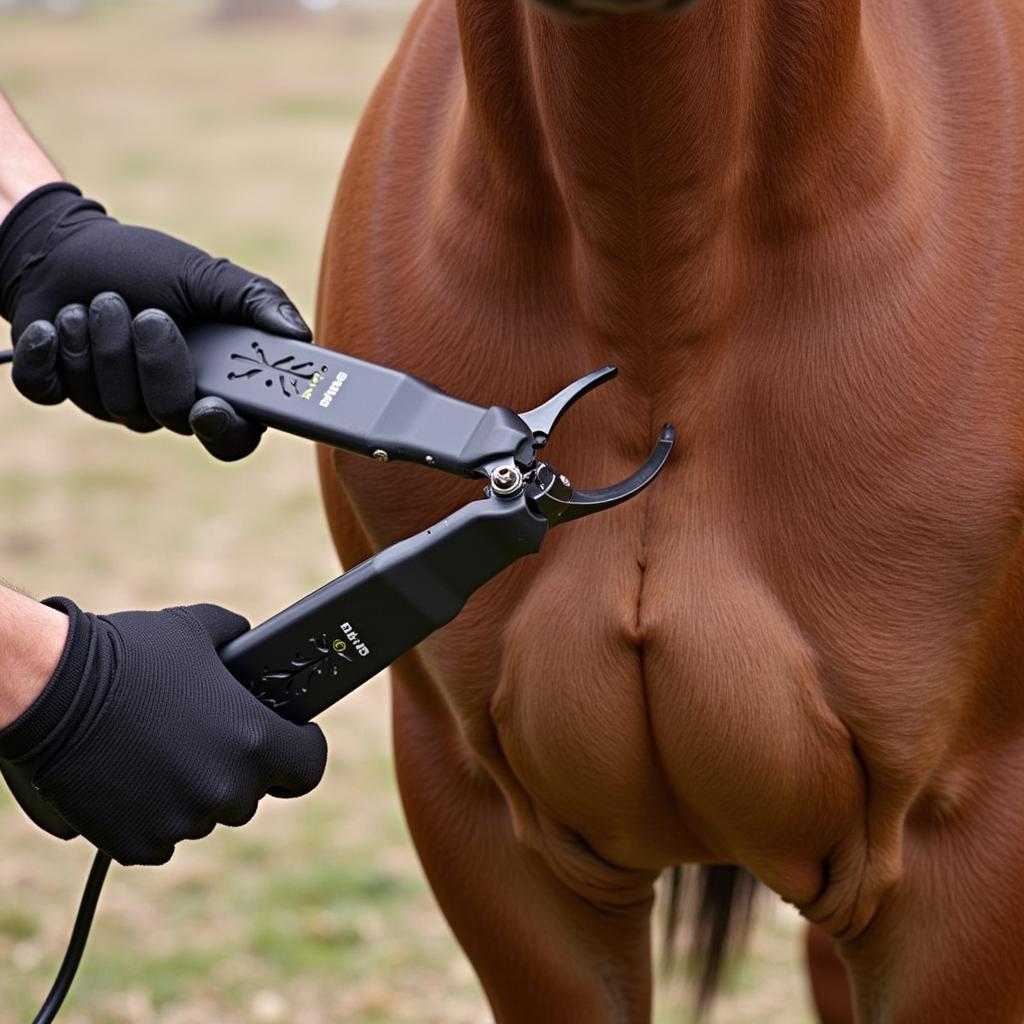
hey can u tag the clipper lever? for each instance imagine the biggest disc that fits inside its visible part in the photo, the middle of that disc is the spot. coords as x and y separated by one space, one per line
543 419
560 503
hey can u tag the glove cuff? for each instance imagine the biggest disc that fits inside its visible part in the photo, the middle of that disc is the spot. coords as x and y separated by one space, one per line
31 198
43 718
24 233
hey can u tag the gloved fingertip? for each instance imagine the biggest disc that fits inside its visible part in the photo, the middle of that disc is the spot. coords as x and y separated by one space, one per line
201 831
73 318
110 337
282 318
37 341
220 624
34 372
210 418
239 815
158 858
137 856
292 316
303 764
318 744
142 426
222 432
108 304
233 450
166 376
151 327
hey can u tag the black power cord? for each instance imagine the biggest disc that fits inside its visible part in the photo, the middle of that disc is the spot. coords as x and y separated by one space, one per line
6 357
79 937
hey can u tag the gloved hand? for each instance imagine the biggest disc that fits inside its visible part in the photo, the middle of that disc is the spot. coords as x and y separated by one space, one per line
142 738
71 280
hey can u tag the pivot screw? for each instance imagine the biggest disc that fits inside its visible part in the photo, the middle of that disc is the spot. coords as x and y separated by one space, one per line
506 480
429 460
380 455
565 481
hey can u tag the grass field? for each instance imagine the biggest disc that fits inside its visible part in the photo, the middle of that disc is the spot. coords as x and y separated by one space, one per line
317 912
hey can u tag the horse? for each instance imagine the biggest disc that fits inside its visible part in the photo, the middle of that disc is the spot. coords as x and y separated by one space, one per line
797 660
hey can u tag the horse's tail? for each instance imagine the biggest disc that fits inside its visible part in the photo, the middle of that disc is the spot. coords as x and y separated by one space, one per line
725 901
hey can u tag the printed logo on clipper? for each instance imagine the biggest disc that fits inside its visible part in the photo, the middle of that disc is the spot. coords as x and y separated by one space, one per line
313 381
332 391
346 628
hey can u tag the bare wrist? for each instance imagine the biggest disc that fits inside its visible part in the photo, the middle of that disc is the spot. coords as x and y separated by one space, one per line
32 639
24 166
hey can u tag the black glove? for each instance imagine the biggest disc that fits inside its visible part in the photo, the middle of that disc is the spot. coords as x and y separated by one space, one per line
142 738
72 278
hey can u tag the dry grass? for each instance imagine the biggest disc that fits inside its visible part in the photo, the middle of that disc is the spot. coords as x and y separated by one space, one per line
232 138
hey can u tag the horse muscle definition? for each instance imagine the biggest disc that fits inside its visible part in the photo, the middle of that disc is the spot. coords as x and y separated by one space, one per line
794 225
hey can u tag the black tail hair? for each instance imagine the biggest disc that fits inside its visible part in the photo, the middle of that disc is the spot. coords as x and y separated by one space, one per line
725 900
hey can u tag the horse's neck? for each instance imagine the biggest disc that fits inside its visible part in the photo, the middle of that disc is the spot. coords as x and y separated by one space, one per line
658 141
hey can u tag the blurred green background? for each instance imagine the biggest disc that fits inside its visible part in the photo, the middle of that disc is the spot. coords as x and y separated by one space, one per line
229 130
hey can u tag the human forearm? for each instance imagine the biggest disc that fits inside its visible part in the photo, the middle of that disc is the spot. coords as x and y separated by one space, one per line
32 638
23 164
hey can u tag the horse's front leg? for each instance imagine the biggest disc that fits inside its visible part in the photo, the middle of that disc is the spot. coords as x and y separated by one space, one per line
947 943
830 983
545 953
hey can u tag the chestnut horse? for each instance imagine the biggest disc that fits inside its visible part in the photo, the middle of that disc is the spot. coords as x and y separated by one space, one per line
796 227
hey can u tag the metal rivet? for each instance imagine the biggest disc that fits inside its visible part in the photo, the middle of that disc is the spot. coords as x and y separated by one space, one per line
429 460
565 480
380 455
506 480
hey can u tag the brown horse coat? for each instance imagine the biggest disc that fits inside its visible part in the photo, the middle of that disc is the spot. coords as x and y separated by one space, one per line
795 226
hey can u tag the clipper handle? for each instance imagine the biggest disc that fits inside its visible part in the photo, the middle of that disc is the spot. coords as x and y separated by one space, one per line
319 650
348 403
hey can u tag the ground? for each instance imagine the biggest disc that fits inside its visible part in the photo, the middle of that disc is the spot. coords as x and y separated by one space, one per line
317 912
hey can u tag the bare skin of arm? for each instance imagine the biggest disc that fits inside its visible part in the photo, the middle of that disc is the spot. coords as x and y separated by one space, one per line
23 164
32 638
